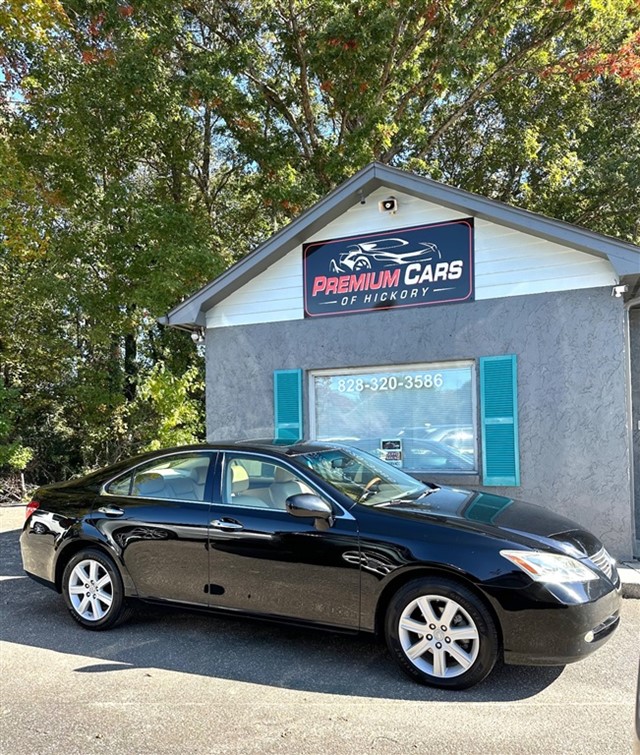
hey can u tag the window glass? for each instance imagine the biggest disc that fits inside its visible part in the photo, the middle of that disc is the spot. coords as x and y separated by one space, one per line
180 478
420 419
258 468
121 486
256 484
362 477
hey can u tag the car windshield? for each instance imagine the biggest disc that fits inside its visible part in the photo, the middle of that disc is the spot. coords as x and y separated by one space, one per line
361 476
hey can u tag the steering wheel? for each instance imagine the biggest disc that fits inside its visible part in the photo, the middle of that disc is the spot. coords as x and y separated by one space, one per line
370 484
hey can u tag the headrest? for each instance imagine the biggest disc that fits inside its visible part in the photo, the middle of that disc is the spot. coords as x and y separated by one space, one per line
239 478
199 475
283 475
289 488
149 484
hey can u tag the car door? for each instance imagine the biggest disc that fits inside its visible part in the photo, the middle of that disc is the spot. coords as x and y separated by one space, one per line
157 518
266 561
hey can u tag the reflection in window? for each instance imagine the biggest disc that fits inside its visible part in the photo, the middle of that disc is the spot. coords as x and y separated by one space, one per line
121 486
419 419
180 478
255 484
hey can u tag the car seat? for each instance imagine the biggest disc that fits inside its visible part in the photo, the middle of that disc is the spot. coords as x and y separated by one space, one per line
285 484
238 482
199 477
183 488
150 485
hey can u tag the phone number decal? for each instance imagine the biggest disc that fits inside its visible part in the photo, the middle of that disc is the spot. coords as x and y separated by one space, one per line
390 383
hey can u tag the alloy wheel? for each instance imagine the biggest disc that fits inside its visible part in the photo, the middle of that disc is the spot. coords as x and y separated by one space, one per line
90 590
438 636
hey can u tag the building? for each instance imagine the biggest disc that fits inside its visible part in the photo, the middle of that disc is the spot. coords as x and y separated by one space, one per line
465 340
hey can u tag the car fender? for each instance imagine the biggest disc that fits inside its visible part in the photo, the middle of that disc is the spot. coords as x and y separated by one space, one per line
374 605
83 534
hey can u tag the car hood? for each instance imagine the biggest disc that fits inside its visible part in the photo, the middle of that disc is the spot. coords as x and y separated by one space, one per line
502 516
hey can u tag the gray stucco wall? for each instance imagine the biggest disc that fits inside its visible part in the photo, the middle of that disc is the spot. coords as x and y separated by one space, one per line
634 331
574 436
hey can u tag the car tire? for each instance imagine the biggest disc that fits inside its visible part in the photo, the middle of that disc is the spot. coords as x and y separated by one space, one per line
441 634
93 590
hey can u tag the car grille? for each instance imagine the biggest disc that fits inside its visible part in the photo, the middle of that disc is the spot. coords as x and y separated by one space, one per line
603 561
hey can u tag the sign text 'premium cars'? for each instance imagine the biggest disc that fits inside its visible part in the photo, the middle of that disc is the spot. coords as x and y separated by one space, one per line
407 267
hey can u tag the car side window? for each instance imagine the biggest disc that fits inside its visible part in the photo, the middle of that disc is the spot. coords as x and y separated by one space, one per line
256 484
121 486
178 478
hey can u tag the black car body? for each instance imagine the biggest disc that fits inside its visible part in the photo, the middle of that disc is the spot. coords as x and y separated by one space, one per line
286 540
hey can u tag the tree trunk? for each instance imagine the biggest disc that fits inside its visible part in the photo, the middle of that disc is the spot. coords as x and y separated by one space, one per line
130 367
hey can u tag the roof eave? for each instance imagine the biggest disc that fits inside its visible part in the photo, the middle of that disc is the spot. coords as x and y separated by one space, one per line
625 258
294 233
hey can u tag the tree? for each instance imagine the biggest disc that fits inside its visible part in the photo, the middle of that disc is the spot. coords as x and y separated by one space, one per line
494 97
146 146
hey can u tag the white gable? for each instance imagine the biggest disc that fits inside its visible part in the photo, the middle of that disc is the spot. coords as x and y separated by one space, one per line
507 263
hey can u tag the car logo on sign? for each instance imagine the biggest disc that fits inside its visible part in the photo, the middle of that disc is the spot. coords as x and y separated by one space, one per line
384 252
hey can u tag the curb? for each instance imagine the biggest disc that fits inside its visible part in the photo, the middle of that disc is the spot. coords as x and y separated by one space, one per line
630 579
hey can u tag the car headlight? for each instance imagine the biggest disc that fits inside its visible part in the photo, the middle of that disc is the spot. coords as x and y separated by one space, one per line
550 567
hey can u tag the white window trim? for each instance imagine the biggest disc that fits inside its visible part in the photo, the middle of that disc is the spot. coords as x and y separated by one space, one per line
414 367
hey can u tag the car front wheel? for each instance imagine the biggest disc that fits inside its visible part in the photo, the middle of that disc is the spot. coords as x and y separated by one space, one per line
441 634
93 590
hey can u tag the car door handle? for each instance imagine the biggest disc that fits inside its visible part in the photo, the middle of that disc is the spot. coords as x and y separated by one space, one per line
111 510
226 524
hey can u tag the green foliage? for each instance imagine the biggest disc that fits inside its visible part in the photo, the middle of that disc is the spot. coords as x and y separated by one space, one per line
13 455
145 147
169 409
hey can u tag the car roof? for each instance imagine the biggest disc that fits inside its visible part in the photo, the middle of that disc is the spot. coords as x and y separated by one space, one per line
281 447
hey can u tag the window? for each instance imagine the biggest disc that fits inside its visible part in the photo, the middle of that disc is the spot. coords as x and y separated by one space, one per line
362 477
421 418
256 484
175 477
122 486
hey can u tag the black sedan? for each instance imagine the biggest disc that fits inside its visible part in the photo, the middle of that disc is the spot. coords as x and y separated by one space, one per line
326 535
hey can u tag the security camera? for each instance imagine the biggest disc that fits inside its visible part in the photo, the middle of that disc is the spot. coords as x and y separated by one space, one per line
197 336
390 205
618 291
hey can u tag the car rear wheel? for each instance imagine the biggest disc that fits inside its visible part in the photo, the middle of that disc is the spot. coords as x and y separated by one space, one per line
93 590
441 634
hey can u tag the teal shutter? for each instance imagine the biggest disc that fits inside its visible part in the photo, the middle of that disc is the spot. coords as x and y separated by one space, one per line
499 418
287 400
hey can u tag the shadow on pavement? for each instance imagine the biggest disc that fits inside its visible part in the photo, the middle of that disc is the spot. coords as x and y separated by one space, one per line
231 648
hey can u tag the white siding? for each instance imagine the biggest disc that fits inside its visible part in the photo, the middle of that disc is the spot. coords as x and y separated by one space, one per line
274 295
508 263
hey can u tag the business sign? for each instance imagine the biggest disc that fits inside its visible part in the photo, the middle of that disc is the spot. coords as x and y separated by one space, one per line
406 267
391 451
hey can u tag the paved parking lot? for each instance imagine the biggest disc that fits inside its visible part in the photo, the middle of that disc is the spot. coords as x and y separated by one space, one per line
188 683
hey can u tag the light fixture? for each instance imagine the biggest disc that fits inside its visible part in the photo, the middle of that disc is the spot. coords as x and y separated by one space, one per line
388 206
618 291
197 336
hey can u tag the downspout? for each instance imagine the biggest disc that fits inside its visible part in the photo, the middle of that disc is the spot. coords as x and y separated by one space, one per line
628 306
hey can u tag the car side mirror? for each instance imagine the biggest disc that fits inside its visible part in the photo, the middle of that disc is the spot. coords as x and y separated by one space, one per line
311 506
